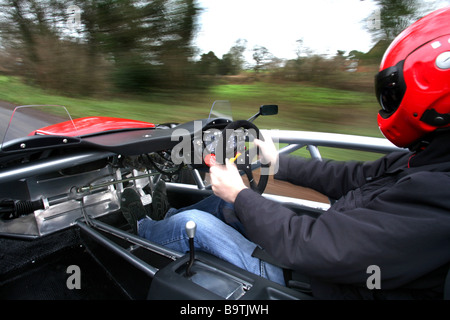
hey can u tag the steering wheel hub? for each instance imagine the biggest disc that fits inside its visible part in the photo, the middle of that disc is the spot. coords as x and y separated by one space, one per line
236 138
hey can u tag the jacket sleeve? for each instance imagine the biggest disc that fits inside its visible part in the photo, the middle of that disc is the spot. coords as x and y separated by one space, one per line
333 178
392 231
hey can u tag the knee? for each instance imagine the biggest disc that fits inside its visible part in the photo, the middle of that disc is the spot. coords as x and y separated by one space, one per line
201 218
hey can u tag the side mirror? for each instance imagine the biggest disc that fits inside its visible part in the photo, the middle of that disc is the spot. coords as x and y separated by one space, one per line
265 110
268 110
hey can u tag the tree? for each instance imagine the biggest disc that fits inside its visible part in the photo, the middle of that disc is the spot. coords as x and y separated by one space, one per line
144 35
175 50
209 64
22 21
233 61
262 56
394 16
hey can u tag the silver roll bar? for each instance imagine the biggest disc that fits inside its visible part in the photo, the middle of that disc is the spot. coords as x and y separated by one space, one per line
299 139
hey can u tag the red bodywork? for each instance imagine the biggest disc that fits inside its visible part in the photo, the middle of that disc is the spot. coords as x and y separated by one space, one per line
91 125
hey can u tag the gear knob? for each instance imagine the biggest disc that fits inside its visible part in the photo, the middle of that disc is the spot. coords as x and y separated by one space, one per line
191 228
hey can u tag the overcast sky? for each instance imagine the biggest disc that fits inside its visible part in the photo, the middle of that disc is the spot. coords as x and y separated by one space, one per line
324 25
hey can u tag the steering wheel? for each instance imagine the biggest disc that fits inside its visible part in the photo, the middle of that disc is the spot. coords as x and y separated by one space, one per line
234 140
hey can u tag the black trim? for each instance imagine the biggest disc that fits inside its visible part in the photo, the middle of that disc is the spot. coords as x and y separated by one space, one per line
434 118
390 87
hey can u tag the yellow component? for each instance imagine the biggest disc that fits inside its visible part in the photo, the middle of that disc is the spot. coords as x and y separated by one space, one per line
235 158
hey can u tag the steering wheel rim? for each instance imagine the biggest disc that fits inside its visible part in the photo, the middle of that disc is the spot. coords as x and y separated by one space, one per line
243 162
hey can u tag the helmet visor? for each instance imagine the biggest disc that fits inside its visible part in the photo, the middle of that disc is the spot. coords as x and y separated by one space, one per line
390 88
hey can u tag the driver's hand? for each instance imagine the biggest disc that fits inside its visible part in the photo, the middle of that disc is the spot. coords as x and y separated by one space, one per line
269 152
226 181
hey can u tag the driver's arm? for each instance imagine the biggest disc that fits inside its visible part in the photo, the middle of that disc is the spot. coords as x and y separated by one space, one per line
331 178
335 178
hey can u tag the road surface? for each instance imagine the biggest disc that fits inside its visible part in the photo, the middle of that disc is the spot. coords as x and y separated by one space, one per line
25 121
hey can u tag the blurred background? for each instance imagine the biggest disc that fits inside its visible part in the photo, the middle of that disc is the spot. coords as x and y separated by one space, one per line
168 60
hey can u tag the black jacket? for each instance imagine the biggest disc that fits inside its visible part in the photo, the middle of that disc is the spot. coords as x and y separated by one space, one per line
393 213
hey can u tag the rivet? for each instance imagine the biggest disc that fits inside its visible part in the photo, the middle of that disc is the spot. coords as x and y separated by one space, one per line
439 120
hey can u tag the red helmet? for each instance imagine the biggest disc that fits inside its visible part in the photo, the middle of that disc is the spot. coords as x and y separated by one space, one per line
413 85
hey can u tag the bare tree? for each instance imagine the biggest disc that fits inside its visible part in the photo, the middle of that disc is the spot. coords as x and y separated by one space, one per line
262 56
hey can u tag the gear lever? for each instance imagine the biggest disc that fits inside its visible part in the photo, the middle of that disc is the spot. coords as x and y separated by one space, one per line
191 227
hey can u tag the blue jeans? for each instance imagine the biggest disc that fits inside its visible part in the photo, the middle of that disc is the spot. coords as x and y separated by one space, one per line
214 236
